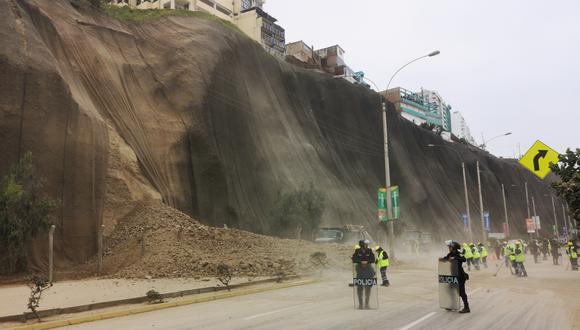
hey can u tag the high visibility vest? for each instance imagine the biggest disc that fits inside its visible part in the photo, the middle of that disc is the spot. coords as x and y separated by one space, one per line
573 254
483 252
506 250
382 261
467 252
520 257
475 252
512 252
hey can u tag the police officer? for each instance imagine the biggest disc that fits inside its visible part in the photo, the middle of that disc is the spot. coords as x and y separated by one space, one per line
364 258
572 252
382 264
534 249
520 258
468 255
555 251
455 254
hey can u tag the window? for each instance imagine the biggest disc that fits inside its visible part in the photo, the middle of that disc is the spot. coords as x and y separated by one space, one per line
246 4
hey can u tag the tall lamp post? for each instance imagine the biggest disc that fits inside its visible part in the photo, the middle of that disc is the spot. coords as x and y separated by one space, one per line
464 186
484 145
507 222
391 227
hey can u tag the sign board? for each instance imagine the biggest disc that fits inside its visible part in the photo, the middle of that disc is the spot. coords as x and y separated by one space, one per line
448 285
530 226
465 223
537 222
395 204
538 158
486 221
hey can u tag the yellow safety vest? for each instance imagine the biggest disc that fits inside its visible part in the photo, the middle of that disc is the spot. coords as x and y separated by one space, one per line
520 257
512 250
382 261
572 253
467 252
476 254
483 252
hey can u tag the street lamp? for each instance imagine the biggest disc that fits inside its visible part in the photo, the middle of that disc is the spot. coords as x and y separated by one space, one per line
391 227
484 145
464 186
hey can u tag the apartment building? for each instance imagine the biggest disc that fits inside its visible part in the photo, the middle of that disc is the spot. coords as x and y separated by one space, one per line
300 51
460 127
248 15
444 110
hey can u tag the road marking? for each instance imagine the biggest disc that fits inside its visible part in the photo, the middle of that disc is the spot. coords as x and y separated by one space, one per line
414 323
272 312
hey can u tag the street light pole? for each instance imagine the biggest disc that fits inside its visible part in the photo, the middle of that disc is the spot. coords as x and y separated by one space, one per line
464 187
535 215
483 233
555 218
493 138
565 221
505 211
390 220
527 199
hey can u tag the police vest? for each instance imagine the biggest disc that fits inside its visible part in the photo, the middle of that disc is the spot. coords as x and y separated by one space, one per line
573 254
512 254
382 261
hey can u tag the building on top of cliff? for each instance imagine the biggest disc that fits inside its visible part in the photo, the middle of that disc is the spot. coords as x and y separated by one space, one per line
460 128
300 53
248 15
424 107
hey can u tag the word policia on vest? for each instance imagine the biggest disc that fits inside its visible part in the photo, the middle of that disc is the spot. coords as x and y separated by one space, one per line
364 281
448 279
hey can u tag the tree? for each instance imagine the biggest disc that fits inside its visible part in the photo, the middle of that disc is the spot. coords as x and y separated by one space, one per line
296 214
24 212
568 169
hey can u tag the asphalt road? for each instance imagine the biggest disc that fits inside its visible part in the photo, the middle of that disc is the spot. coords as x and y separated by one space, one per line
548 299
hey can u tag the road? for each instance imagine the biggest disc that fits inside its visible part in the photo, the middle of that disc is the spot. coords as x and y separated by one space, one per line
548 299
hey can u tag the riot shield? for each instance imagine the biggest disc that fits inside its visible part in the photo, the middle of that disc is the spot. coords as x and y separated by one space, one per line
449 285
365 289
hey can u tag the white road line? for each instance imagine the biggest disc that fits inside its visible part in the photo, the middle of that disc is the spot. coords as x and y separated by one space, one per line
414 323
272 312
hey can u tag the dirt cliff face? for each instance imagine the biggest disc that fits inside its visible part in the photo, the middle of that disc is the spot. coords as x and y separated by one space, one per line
190 112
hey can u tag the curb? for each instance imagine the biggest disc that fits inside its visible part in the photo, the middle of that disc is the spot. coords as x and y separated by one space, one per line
156 307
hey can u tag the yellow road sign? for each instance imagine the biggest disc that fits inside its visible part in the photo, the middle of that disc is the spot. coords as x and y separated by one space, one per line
538 159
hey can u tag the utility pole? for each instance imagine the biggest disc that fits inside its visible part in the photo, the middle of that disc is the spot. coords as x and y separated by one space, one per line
51 253
505 210
390 220
565 221
535 215
555 218
483 233
527 199
100 250
467 203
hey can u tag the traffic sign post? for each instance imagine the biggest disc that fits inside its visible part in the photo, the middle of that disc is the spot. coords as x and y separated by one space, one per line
538 159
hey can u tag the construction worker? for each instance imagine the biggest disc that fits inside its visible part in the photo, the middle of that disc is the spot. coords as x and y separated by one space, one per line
512 257
466 251
534 249
555 251
520 258
483 252
545 248
382 264
572 252
455 254
505 252
476 255
364 258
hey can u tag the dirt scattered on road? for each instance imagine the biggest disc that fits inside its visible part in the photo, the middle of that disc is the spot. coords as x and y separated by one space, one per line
157 241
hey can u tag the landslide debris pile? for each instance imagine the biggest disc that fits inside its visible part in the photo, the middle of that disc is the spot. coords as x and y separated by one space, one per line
175 245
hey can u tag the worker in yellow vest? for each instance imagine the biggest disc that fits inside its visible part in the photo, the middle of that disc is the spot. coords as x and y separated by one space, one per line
520 258
572 252
466 252
483 252
505 252
476 255
512 257
382 264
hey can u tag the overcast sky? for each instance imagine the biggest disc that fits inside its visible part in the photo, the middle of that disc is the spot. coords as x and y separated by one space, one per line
508 66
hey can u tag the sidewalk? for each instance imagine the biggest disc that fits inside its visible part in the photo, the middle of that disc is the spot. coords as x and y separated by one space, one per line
83 292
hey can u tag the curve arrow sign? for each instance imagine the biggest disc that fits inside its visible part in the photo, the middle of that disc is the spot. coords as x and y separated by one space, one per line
541 154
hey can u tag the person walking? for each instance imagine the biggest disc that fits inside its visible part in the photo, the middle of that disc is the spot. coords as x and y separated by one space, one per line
476 255
572 252
512 257
505 252
364 258
535 250
466 251
545 248
520 258
462 277
555 245
382 264
483 252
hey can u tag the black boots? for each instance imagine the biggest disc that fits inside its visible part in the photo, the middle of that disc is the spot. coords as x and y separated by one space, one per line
465 310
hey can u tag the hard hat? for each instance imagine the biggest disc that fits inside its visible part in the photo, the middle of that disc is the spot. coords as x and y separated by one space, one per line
504 242
570 243
377 248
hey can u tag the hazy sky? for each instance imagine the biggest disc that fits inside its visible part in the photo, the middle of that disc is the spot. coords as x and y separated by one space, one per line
508 66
